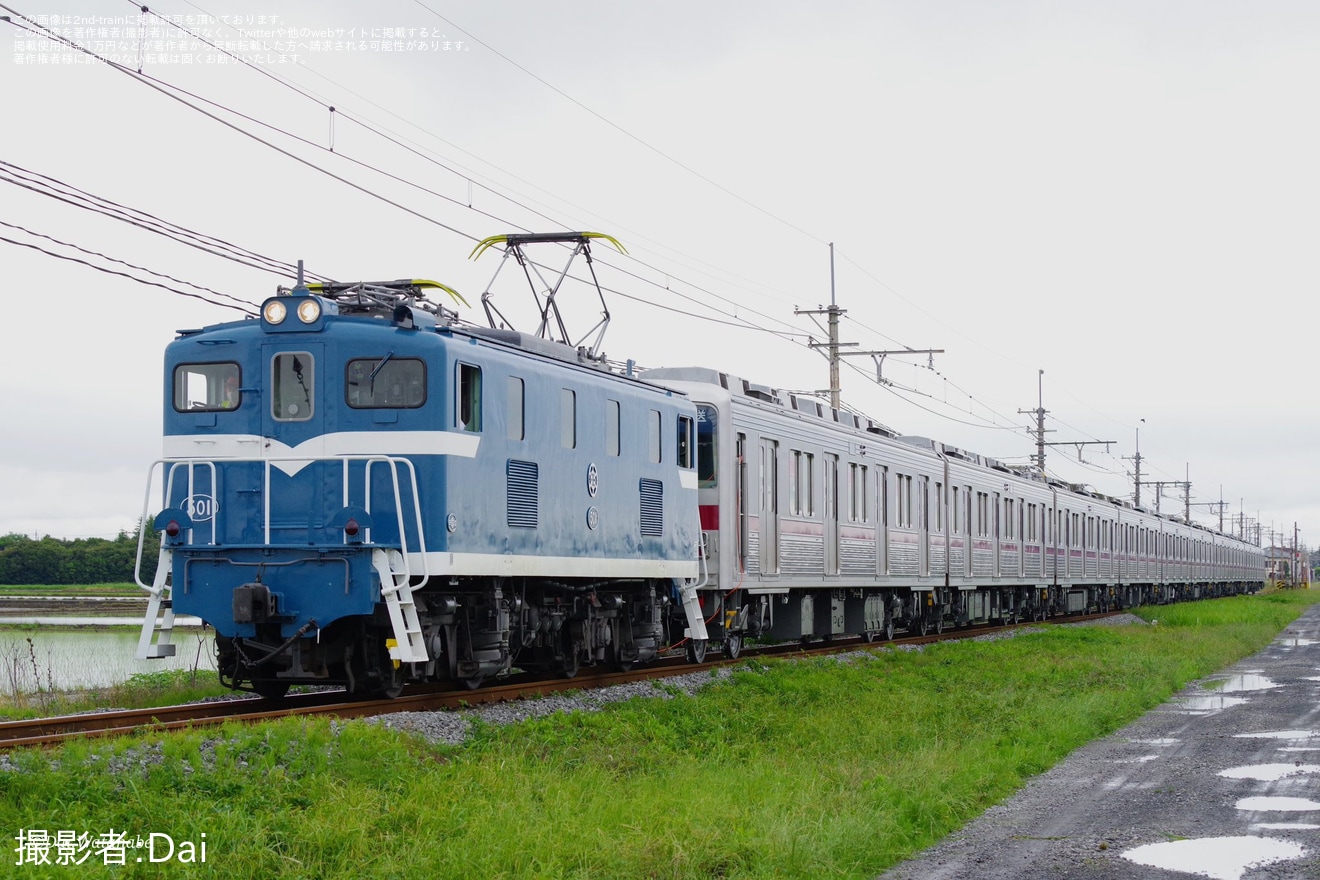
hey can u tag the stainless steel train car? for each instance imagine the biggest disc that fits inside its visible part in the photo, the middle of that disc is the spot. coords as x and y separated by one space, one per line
816 523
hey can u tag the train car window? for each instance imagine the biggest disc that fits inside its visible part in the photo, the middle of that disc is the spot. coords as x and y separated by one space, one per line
612 444
467 414
568 418
207 387
807 475
939 507
1008 519
684 442
707 447
514 403
388 382
292 386
653 436
794 462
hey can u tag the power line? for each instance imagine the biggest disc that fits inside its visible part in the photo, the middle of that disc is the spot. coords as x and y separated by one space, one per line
224 305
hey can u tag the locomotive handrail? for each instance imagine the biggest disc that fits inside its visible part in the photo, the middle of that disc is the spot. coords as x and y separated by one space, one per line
146 504
170 467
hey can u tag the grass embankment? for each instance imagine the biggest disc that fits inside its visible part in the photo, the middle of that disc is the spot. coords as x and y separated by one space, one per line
788 769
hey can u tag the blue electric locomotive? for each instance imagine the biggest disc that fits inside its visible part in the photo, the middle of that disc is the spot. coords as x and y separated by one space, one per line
360 491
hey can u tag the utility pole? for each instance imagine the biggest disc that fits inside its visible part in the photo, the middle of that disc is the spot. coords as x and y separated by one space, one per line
1135 458
832 314
1159 492
1039 412
1219 504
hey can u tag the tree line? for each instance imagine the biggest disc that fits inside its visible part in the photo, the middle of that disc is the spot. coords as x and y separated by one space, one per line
61 561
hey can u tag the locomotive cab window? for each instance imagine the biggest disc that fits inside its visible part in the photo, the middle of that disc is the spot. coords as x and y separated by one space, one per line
207 387
387 382
684 442
707 448
292 384
467 414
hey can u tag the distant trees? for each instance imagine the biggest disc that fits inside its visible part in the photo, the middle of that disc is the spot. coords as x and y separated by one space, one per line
56 561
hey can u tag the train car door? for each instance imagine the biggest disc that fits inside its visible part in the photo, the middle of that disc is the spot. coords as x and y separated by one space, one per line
923 526
294 417
769 537
882 521
967 529
741 502
831 514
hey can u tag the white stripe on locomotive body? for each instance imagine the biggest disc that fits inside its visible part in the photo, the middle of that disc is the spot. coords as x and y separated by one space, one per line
442 564
460 444
918 558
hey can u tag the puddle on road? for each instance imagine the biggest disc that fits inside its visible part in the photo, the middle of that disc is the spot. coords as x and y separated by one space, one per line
1223 858
1205 705
1144 759
1300 749
1250 681
1279 734
1163 741
1277 805
1285 826
1297 643
1269 772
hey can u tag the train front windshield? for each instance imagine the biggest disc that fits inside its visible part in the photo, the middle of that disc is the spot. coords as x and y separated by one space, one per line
707 447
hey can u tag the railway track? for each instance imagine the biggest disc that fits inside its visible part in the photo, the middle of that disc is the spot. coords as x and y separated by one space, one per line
124 722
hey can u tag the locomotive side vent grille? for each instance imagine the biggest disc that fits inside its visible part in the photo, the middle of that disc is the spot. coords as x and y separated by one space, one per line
653 508
523 494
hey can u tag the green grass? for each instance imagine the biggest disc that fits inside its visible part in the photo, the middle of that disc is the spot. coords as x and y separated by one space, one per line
787 769
124 589
142 691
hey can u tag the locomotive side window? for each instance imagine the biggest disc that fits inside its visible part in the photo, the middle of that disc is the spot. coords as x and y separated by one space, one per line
684 442
292 382
207 387
612 427
467 416
653 436
516 412
568 418
388 382
707 448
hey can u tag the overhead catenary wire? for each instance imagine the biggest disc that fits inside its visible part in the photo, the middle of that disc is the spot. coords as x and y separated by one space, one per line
224 305
740 321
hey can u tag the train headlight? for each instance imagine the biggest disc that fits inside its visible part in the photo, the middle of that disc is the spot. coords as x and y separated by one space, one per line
274 312
309 310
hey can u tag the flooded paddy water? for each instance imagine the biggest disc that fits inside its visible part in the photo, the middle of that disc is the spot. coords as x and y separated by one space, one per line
68 653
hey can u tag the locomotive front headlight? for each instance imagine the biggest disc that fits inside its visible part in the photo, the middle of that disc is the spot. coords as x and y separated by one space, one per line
309 310
274 312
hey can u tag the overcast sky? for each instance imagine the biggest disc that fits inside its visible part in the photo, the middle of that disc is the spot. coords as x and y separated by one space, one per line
1121 194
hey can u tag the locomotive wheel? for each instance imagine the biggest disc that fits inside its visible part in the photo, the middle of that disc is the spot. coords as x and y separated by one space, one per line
733 646
472 683
923 625
889 628
870 635
391 682
572 661
939 624
271 689
696 650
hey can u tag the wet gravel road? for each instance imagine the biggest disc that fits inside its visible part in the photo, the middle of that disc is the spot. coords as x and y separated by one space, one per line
1222 781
